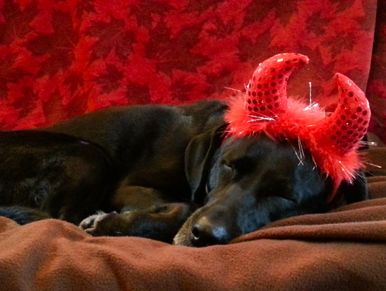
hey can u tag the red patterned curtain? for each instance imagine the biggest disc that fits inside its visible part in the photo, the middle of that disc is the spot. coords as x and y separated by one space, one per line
59 59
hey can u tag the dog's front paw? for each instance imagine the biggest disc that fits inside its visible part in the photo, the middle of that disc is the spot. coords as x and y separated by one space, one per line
90 224
159 222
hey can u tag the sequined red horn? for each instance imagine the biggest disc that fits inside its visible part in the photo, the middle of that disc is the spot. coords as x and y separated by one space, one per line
267 90
344 129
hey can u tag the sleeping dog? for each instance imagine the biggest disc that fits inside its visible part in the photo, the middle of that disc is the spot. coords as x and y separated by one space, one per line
154 165
170 173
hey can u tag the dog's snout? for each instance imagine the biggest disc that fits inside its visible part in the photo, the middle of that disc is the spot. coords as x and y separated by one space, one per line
205 232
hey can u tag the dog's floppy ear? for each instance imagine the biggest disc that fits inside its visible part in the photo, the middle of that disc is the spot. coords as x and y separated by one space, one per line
198 156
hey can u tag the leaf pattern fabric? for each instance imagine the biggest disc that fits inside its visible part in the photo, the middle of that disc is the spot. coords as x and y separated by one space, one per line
59 59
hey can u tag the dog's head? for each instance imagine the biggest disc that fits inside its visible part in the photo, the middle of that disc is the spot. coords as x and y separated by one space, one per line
261 172
243 184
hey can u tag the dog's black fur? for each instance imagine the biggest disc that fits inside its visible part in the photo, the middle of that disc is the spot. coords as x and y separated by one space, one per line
155 164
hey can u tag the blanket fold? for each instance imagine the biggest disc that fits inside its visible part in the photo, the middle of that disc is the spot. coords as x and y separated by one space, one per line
344 249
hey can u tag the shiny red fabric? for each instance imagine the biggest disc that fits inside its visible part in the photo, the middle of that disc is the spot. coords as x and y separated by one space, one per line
63 58
333 140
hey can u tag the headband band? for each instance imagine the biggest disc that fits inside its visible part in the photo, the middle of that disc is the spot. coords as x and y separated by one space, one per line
332 140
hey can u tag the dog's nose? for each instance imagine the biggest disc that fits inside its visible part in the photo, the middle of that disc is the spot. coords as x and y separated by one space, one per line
205 232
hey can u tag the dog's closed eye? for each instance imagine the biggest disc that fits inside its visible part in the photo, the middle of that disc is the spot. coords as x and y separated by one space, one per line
237 168
277 187
228 169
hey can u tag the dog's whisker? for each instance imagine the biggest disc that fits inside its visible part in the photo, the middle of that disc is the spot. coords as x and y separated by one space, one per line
315 164
373 165
301 150
298 155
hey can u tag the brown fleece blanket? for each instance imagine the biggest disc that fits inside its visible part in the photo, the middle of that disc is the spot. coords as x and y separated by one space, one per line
341 250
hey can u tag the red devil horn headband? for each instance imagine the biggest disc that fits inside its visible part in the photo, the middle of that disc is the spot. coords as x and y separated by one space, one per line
345 128
267 91
333 141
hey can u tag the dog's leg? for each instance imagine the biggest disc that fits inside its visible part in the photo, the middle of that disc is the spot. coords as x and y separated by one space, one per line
136 198
125 199
143 212
160 222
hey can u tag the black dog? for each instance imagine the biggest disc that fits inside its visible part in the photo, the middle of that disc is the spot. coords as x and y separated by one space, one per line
154 165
